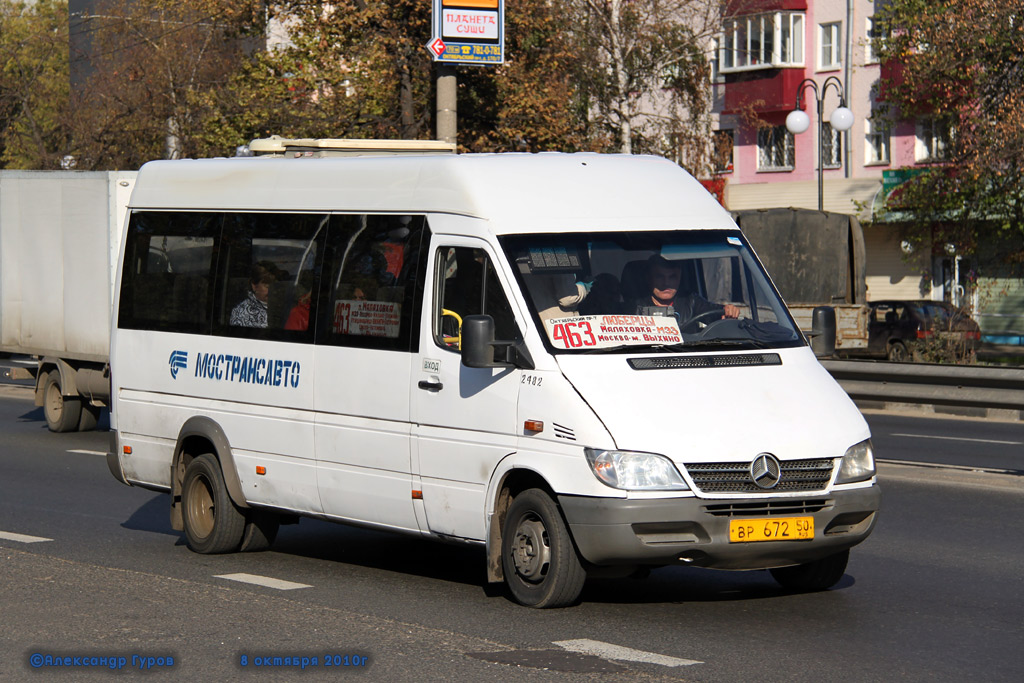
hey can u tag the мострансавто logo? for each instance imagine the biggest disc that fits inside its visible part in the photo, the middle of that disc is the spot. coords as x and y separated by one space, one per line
178 361
243 369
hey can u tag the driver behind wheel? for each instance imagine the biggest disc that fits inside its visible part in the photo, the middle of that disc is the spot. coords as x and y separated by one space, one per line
663 278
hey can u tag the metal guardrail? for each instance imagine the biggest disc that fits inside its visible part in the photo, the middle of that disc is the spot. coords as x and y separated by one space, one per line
972 386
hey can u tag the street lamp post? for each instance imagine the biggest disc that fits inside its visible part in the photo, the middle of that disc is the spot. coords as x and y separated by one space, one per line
842 120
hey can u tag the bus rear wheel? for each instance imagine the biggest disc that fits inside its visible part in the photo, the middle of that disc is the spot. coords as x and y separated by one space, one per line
212 522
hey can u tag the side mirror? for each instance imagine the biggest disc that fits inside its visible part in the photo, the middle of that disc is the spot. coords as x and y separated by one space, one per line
823 331
477 341
479 346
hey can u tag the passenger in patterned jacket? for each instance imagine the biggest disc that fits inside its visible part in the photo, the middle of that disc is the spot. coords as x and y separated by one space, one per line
252 311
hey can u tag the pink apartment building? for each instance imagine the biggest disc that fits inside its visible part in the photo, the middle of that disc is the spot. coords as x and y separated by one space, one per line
767 48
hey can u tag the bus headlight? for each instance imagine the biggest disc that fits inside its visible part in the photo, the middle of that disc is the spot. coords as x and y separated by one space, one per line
635 471
858 463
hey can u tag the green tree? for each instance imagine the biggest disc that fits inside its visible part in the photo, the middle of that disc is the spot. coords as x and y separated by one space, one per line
348 68
960 63
33 83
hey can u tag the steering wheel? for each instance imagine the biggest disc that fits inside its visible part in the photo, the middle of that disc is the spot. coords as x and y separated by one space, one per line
690 326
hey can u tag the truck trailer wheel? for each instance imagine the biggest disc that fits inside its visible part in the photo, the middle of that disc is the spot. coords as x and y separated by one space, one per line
62 412
813 576
212 522
542 568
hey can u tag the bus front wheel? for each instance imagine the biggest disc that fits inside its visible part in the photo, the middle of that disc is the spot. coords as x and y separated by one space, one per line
542 568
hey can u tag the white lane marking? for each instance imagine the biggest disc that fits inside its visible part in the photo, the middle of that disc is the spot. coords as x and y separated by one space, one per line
22 538
940 466
265 581
960 438
85 452
626 654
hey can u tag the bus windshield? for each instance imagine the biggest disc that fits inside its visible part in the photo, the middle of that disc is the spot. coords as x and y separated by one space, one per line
662 291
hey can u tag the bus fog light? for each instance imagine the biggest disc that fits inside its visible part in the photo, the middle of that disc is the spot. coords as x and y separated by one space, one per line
635 471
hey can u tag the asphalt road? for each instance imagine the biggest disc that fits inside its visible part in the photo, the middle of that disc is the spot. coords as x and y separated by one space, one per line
962 442
935 594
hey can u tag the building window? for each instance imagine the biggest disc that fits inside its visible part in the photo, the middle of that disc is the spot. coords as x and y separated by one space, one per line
721 153
791 39
762 41
872 42
774 149
829 42
832 146
934 140
876 149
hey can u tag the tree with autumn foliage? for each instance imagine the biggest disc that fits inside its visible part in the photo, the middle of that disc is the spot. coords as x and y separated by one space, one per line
359 69
158 72
960 62
33 83
645 71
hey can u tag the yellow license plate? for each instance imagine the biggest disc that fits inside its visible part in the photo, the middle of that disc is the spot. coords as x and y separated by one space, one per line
771 529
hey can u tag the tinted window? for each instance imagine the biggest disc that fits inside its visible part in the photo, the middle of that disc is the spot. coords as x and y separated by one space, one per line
268 274
168 270
370 290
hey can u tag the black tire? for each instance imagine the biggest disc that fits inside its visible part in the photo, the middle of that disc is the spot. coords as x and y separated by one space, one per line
212 522
90 417
813 576
260 531
542 568
62 412
898 353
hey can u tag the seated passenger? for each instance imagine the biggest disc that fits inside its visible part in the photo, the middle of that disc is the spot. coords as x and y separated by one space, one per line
298 317
252 310
663 278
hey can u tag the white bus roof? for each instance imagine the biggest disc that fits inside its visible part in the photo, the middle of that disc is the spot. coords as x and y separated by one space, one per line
545 192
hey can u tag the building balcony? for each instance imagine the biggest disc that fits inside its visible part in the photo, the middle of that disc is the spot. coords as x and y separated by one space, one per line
739 7
762 92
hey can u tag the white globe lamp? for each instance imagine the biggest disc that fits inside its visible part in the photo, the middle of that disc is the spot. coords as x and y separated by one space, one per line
797 122
842 118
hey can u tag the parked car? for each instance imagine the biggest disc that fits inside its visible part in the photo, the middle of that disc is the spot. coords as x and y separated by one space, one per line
921 330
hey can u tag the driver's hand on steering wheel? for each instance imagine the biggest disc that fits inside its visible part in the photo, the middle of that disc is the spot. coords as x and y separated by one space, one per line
730 311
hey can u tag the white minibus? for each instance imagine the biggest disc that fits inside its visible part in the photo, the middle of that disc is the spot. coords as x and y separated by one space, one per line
573 360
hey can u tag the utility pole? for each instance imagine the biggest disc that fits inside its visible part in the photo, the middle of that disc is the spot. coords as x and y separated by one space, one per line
463 32
447 103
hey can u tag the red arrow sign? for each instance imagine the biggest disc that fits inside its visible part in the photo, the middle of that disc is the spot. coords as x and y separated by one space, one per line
436 46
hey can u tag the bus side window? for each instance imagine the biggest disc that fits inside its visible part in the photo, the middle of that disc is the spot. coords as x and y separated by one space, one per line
370 290
268 275
168 271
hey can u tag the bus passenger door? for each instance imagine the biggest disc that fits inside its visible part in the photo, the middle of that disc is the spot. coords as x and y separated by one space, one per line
464 419
364 335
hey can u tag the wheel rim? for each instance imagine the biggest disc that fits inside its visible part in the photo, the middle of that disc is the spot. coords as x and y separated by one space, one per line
897 353
54 403
531 549
200 508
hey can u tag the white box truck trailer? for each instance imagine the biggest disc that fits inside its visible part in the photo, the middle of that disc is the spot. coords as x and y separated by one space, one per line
59 237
